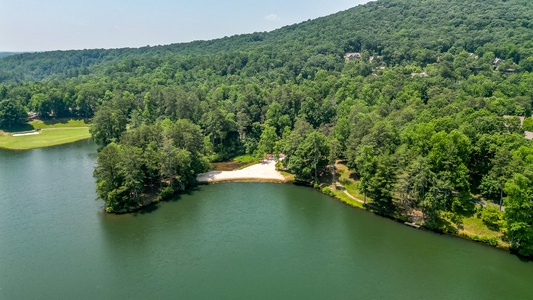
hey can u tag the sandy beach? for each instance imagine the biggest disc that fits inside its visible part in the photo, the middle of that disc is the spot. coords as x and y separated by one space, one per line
265 170
25 134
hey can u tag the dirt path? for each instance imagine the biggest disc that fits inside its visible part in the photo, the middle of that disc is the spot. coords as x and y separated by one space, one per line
356 199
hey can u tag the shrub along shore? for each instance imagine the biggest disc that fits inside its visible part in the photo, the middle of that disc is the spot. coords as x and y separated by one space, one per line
473 226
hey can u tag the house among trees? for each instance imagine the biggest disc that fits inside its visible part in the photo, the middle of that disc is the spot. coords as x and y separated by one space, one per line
422 74
497 62
529 135
352 56
521 119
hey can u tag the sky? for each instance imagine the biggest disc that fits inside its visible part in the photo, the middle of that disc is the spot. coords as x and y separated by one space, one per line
43 25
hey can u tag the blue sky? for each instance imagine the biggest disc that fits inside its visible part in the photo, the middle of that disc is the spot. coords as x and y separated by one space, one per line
39 25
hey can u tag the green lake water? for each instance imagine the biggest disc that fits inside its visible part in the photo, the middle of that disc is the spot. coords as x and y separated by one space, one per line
223 241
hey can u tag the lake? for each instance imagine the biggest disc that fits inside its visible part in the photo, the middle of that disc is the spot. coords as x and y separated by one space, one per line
223 241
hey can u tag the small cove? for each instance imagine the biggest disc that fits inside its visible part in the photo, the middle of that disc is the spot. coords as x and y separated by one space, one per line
223 241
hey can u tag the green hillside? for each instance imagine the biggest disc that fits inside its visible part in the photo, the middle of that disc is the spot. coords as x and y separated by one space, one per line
398 30
411 95
4 54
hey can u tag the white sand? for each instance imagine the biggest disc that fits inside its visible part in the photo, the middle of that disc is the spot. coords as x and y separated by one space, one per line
264 170
24 134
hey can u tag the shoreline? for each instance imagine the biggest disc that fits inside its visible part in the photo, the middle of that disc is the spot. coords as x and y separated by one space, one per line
41 147
245 179
263 171
460 235
44 138
266 172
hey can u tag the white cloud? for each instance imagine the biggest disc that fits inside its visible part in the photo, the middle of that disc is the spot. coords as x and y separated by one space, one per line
272 18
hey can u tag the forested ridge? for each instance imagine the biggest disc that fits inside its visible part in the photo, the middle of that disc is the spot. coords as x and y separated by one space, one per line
416 111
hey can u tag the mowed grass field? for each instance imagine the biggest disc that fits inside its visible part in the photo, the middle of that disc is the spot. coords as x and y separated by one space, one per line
51 134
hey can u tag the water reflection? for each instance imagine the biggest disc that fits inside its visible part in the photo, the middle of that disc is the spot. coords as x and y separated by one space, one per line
232 240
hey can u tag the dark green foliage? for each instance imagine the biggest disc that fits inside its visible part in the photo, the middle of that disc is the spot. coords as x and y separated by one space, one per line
12 113
311 156
108 124
418 117
150 163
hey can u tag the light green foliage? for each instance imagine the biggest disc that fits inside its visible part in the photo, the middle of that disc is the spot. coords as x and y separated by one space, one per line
492 217
267 142
528 124
378 176
518 212
447 160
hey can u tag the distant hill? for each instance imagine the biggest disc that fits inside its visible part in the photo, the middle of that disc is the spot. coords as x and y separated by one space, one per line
397 30
5 54
410 93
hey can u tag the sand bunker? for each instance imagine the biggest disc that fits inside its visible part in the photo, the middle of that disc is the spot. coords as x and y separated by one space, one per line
263 171
24 134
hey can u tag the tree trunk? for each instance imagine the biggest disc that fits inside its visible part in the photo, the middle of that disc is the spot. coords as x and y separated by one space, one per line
501 199
333 175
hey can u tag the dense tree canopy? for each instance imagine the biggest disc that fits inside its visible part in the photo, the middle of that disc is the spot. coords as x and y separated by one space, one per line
417 114
12 113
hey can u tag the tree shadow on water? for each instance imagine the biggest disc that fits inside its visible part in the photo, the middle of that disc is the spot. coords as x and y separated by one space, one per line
521 257
178 196
152 207
148 209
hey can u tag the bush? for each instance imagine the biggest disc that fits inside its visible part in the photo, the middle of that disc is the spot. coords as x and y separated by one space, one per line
492 217
165 193
528 124
487 240
328 191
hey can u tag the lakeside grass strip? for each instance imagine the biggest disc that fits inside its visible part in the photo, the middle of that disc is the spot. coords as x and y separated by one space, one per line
46 138
59 123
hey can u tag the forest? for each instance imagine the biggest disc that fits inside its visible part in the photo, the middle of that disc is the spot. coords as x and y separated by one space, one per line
416 111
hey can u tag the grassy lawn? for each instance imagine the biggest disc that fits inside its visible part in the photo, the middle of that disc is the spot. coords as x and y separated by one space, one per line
42 124
288 176
46 138
473 226
58 123
237 163
246 161
344 198
351 185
